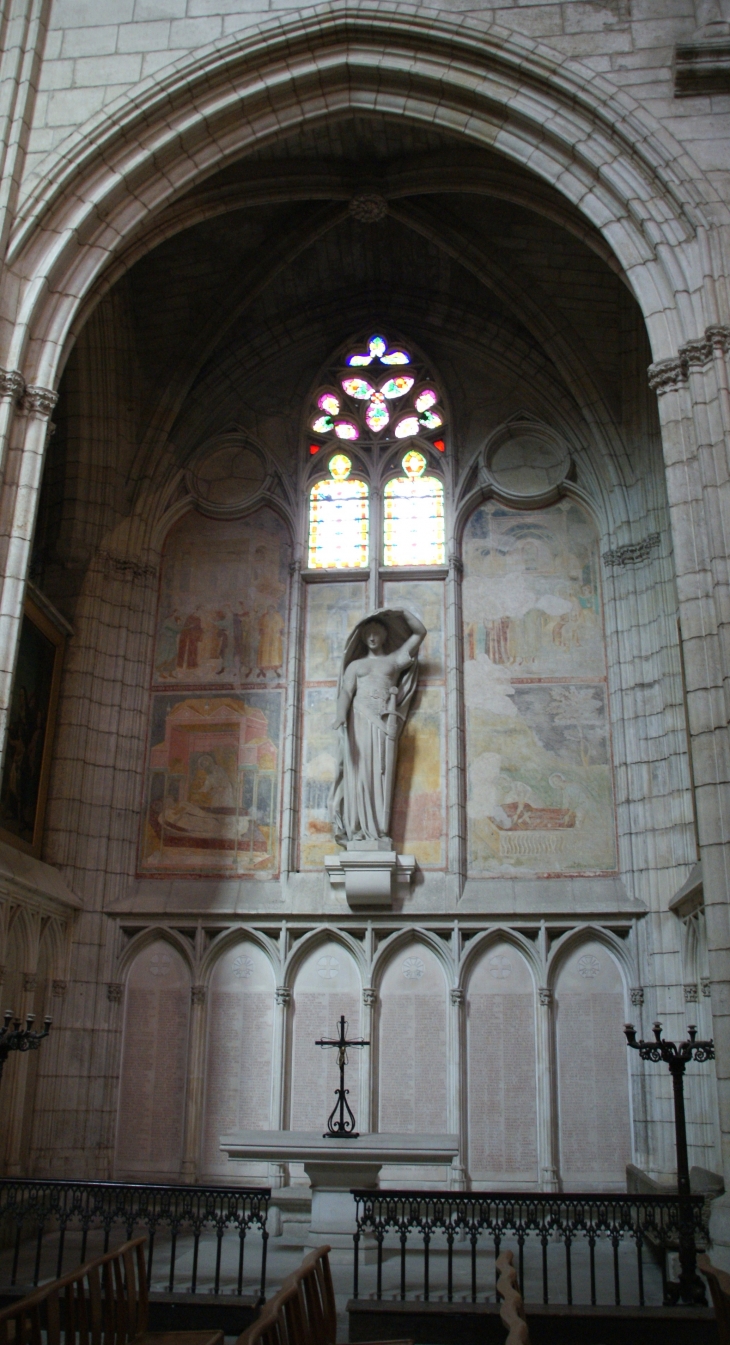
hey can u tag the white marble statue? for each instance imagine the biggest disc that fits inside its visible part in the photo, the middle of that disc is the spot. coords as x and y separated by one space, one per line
378 678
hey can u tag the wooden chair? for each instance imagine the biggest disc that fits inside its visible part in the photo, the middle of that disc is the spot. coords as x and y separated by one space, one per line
103 1302
719 1282
511 1309
304 1311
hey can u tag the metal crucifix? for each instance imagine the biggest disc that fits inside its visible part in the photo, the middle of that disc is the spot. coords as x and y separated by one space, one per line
341 1120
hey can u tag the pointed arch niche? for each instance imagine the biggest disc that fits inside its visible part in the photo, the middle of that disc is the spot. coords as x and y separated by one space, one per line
239 1051
593 1078
413 1053
327 984
539 775
152 1086
501 1068
212 800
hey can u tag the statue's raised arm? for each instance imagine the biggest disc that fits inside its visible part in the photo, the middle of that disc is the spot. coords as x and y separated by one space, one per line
377 682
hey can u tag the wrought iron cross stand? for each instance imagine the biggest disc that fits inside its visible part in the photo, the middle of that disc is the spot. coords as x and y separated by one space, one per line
689 1288
341 1120
21 1038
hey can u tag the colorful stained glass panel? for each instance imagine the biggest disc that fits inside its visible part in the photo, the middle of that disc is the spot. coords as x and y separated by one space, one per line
338 525
397 387
406 427
357 387
413 529
377 414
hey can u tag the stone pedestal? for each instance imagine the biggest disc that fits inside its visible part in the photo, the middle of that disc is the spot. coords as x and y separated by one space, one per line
370 872
335 1166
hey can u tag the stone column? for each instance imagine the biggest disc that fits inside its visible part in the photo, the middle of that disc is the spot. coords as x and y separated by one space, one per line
694 409
547 1158
196 1084
279 1057
17 1084
376 545
292 733
366 1121
457 1111
18 503
456 785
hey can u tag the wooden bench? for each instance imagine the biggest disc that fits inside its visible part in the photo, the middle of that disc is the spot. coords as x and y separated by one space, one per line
303 1312
719 1282
512 1309
103 1302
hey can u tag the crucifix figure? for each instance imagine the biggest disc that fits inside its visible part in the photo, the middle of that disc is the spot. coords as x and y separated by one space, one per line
339 1125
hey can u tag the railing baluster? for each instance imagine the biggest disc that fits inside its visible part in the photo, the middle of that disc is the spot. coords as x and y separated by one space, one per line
403 1240
473 1237
218 1251
59 1261
380 1262
356 1265
426 1266
241 1243
173 1245
194 1278
616 1282
569 1268
16 1254
38 1250
640 1268
544 1241
450 1267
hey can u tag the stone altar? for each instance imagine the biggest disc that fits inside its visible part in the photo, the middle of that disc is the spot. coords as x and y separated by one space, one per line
335 1166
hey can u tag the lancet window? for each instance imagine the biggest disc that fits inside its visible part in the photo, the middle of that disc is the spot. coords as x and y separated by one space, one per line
339 519
413 523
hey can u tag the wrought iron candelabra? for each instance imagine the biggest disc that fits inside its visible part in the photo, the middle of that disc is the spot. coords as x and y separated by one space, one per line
689 1288
341 1120
20 1038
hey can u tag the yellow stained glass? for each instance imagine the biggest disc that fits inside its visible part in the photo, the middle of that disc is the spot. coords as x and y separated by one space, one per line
339 525
413 529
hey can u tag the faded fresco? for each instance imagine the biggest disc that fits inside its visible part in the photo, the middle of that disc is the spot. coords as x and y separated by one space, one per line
213 784
425 598
540 797
332 611
418 818
222 610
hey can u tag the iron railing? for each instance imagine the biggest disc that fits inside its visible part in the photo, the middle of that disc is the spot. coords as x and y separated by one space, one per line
463 1224
48 1210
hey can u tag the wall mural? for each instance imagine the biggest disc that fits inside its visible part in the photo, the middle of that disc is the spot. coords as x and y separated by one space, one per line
540 796
212 802
222 612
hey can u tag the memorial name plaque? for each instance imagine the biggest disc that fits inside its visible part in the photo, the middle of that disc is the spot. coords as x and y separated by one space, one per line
595 1138
154 1063
412 1081
239 1053
327 985
501 1068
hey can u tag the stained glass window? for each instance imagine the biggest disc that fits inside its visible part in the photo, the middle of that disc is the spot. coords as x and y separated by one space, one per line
375 395
339 519
413 529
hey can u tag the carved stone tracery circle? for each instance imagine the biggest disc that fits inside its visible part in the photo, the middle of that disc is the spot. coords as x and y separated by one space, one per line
413 968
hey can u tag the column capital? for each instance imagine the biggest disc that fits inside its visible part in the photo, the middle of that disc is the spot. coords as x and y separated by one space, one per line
114 992
39 402
636 995
369 996
197 995
456 565
283 995
691 994
12 384
545 996
457 996
695 354
295 567
30 981
706 987
59 988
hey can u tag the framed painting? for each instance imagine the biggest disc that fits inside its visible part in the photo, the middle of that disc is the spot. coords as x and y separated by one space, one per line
31 726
